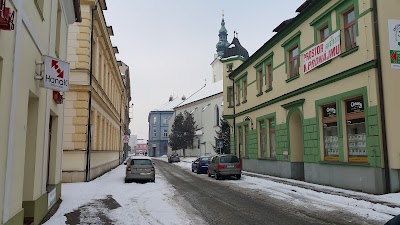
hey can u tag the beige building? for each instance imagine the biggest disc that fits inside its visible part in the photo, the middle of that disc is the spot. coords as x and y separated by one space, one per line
317 102
31 121
95 106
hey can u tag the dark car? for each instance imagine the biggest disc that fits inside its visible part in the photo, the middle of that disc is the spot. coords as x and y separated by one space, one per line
224 165
174 157
200 165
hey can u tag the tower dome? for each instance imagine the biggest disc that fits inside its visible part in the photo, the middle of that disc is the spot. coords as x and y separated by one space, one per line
235 49
223 38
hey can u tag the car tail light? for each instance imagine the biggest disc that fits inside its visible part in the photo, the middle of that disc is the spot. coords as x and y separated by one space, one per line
152 168
239 166
220 166
128 168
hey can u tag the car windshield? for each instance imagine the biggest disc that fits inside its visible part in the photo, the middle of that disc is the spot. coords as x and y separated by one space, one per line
205 159
140 162
229 159
174 154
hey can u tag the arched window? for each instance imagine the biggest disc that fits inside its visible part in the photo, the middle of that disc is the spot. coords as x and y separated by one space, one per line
216 120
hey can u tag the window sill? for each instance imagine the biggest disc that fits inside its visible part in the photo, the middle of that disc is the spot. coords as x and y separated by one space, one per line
269 159
244 101
259 94
292 78
324 64
268 90
348 52
345 163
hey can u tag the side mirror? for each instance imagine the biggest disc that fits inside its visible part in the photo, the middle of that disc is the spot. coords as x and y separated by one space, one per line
124 163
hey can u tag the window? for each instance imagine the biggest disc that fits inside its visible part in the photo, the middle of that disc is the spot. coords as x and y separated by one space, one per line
216 116
240 133
272 140
165 133
154 133
263 139
244 91
230 96
294 62
238 93
165 120
323 33
154 120
246 140
330 133
229 67
349 19
260 81
269 76
356 132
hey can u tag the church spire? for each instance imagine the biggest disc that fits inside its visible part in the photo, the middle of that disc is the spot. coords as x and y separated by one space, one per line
223 38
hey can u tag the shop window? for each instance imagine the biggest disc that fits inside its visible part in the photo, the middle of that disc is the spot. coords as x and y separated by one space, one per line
349 18
269 76
330 133
263 139
244 91
323 33
294 61
260 81
230 96
272 139
356 132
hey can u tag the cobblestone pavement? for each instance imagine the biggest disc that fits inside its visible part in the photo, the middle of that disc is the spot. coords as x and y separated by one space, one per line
93 213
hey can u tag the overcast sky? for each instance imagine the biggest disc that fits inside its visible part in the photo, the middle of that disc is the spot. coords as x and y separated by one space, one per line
169 44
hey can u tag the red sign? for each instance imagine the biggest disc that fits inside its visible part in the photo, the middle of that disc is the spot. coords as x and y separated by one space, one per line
6 17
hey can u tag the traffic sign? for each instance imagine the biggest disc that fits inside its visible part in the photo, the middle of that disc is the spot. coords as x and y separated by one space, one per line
125 138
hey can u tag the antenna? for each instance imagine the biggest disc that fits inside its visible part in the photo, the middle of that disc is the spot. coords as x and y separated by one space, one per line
223 14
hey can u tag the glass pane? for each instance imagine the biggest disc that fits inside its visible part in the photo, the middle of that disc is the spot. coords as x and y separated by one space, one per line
263 144
331 141
350 17
295 52
325 33
348 37
272 143
356 138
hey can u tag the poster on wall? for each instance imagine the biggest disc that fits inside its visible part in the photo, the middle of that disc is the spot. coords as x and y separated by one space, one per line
394 43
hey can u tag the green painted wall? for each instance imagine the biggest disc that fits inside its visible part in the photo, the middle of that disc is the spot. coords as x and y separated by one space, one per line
18 219
253 144
311 141
282 142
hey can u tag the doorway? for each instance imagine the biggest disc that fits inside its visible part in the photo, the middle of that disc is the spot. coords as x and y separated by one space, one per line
296 144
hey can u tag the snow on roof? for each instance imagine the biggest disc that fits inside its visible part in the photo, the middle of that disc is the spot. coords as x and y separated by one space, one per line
169 106
208 91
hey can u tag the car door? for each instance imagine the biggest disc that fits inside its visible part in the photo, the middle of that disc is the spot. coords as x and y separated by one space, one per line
195 163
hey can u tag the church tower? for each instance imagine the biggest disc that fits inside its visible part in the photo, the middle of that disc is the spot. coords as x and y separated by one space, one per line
223 38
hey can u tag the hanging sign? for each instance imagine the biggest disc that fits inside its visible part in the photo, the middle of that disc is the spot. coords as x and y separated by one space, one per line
56 74
394 43
6 17
322 52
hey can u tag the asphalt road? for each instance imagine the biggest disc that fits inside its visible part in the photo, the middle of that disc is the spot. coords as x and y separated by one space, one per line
216 202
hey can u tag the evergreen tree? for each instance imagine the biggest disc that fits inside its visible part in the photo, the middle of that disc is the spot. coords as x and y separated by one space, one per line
224 134
189 129
176 136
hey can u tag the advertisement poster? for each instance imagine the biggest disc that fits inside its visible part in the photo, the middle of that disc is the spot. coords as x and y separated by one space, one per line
394 43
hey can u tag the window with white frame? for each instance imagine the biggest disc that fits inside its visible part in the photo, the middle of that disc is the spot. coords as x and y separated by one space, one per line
154 133
165 133
154 120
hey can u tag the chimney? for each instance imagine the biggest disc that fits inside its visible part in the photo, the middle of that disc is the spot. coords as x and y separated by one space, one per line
183 97
171 98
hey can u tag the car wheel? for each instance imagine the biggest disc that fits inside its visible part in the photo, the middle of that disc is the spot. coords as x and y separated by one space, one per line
208 174
217 177
238 176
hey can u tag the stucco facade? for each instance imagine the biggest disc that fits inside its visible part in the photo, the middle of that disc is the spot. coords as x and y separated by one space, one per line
323 126
95 106
31 122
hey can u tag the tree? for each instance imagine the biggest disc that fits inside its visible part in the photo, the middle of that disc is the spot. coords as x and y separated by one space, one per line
182 132
189 129
224 134
176 136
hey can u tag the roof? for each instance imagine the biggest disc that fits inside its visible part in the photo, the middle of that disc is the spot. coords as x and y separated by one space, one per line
235 49
283 25
205 92
169 106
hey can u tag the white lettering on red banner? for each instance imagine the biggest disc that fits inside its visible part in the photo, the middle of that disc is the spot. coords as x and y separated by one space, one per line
322 52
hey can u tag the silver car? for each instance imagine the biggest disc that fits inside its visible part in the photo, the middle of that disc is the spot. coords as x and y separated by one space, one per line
140 168
223 166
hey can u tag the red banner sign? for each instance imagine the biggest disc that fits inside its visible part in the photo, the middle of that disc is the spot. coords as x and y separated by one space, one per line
6 17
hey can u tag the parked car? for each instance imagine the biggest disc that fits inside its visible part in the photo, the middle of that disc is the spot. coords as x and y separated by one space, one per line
224 165
140 168
174 157
200 165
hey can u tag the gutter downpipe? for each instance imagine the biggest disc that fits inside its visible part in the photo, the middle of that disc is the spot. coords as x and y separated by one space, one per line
89 130
381 99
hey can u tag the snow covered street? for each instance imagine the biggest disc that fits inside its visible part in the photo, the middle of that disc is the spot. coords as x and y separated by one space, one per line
108 200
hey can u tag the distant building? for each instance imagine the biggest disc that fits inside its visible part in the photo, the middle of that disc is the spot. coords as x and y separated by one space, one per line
124 69
158 126
141 149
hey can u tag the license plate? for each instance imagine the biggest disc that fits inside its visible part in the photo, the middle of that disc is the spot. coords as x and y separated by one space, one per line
230 166
140 169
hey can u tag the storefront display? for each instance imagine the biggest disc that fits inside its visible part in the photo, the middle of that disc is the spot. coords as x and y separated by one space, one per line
356 131
331 139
